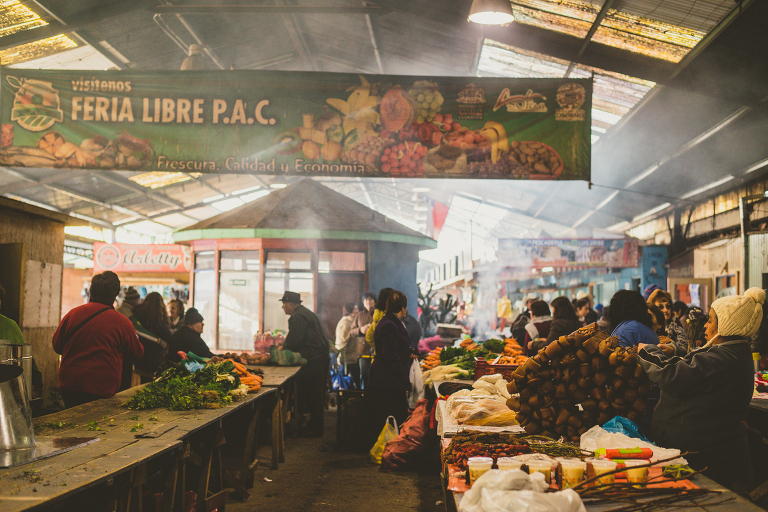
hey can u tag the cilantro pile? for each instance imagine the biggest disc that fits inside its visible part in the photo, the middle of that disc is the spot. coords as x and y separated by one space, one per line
178 389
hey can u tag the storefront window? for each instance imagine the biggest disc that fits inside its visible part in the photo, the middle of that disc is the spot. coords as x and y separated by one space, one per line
238 299
341 262
286 271
205 302
205 260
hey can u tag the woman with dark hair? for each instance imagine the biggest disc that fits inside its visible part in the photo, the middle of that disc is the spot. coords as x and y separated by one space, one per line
150 319
538 327
564 320
175 315
378 313
389 379
631 319
674 330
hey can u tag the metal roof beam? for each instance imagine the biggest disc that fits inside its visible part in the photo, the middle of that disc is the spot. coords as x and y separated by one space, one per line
366 9
80 196
57 25
595 25
26 183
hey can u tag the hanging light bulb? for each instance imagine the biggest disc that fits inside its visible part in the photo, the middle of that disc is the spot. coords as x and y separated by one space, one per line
491 12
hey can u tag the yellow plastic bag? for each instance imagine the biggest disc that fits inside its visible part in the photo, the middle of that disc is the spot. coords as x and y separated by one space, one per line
388 433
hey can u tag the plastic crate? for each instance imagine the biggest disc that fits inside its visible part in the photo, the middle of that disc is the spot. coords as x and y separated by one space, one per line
351 426
483 367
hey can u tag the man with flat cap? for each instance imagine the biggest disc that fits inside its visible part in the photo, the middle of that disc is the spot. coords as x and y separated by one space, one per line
306 336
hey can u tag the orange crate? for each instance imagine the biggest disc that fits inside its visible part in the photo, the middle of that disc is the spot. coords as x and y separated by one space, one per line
483 367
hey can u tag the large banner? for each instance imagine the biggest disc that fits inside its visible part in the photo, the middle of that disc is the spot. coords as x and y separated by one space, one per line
141 258
568 253
295 123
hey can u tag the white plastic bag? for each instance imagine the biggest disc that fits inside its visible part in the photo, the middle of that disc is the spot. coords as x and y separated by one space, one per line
516 491
597 437
416 392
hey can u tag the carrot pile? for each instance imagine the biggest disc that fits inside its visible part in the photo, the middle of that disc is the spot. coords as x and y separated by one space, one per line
432 360
512 353
249 379
468 344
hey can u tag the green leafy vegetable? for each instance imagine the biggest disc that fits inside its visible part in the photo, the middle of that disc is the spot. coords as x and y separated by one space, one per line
452 352
495 346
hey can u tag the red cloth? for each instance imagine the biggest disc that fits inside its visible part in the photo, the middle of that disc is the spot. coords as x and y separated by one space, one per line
92 360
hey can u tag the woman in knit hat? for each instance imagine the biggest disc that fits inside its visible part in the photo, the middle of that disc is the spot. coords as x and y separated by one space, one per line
705 395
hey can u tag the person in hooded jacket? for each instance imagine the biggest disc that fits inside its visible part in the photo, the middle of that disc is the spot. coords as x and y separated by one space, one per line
705 395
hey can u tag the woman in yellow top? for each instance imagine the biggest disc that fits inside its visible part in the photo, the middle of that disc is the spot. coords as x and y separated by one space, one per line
378 313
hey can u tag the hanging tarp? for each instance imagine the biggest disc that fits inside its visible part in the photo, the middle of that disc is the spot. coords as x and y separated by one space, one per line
295 123
569 253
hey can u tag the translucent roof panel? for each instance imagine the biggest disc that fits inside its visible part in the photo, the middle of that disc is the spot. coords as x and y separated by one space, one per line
613 95
626 30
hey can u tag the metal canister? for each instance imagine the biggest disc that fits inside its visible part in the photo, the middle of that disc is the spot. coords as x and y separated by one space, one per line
18 355
16 430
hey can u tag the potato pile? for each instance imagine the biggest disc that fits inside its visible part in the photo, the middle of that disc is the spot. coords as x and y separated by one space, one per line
587 367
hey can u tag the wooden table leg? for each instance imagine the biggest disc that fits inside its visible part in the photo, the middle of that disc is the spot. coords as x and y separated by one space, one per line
173 492
210 451
249 453
277 426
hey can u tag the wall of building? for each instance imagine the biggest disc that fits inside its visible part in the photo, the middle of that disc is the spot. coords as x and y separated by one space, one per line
72 286
393 265
43 242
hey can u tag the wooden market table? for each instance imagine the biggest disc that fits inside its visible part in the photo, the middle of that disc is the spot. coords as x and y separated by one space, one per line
115 467
283 380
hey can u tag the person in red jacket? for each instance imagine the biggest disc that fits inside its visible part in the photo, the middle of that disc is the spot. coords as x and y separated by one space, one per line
93 340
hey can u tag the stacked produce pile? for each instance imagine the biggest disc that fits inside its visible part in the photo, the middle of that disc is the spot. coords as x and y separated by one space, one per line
484 404
179 389
459 362
510 350
242 358
588 368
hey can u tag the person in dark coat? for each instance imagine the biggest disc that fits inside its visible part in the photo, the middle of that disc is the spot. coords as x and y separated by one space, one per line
307 337
706 394
389 379
584 310
188 339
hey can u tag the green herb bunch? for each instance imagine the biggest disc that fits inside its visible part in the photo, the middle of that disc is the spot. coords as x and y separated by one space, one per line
179 390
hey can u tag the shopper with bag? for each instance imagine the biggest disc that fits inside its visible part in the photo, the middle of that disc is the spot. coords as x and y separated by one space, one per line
389 379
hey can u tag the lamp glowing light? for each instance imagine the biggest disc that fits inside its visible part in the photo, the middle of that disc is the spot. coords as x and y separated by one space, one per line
491 12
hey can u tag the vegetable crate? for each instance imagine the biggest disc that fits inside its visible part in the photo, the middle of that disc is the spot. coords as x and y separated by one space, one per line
483 367
351 425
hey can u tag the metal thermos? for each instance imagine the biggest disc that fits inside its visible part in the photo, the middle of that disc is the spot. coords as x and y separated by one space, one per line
18 355
16 430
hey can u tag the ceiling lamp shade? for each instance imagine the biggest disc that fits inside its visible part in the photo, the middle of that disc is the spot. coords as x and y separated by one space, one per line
491 12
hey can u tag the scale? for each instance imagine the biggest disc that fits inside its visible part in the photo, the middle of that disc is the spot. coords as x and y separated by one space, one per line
17 438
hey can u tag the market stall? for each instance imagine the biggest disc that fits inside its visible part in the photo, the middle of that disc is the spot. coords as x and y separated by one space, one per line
597 461
305 238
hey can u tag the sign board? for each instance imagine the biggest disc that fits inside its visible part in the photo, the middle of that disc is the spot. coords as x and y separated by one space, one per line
297 123
568 253
141 258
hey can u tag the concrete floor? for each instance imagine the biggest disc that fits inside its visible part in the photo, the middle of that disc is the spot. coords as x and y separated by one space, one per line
317 477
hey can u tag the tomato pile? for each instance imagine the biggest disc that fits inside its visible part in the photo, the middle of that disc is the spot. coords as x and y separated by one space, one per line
463 452
404 158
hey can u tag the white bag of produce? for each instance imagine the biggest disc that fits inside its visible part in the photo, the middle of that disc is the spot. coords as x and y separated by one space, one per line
516 491
416 392
597 437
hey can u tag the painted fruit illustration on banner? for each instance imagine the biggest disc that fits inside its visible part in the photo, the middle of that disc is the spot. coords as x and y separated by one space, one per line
36 105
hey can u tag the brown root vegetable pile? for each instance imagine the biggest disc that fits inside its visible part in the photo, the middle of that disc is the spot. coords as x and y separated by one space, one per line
587 367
